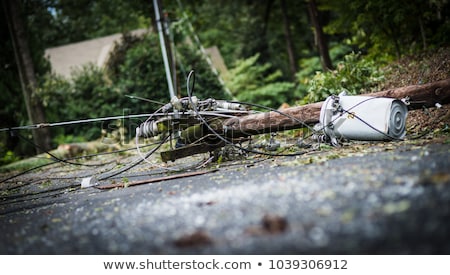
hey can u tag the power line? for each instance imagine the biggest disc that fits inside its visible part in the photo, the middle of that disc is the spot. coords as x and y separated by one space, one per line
64 123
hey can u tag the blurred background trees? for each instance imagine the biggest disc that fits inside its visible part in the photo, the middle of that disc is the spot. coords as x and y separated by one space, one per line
277 51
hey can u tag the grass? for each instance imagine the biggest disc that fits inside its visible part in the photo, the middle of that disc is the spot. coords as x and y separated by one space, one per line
25 164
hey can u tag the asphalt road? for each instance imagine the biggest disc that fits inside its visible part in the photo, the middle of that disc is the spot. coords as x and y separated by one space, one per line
391 199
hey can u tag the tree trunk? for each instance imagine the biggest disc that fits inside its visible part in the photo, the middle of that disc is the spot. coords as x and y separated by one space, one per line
419 95
267 17
34 107
320 38
422 33
289 41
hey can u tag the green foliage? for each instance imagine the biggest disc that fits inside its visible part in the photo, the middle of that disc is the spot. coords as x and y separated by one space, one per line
227 30
119 54
73 21
8 157
206 82
24 164
63 139
242 28
88 94
390 28
355 75
309 66
141 73
251 82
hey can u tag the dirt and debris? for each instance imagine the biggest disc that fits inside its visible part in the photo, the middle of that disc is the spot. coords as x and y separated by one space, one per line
430 66
421 122
270 224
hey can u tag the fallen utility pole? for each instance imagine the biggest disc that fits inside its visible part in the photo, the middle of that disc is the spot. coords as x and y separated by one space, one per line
426 95
208 136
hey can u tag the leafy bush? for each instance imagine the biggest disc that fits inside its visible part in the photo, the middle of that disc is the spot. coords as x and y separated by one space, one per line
207 83
355 75
63 138
255 83
8 157
310 65
88 94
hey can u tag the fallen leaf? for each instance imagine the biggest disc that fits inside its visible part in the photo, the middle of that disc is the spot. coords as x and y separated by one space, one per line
197 238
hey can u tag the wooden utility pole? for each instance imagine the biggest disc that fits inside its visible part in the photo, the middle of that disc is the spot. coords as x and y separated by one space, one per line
239 128
426 95
25 66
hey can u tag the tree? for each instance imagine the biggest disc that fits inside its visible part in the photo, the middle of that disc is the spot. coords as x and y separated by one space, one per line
289 40
390 28
251 82
74 21
277 30
26 70
320 39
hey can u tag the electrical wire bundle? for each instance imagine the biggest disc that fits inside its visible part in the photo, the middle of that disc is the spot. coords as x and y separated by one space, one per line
202 113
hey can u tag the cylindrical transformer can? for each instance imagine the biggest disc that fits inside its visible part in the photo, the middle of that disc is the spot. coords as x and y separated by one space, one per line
363 118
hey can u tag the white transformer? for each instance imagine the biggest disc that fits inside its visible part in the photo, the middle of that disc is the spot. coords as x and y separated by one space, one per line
363 118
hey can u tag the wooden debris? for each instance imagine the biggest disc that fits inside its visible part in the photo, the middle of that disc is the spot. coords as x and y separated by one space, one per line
197 238
153 180
189 150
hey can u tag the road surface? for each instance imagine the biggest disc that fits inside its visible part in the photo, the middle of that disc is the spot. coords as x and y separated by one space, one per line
381 198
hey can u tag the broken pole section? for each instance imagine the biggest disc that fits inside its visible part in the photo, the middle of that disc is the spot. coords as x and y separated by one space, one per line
273 121
419 96
426 95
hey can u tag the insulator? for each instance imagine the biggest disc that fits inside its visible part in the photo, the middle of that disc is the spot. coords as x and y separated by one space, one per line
176 103
147 129
166 108
229 105
193 102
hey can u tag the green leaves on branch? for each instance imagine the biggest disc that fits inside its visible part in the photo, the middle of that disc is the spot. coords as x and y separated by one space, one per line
255 83
390 28
252 82
355 75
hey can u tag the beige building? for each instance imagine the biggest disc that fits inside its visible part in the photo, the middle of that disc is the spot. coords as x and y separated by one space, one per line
64 59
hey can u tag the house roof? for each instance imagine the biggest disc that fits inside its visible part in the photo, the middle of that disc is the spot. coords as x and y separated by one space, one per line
64 59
